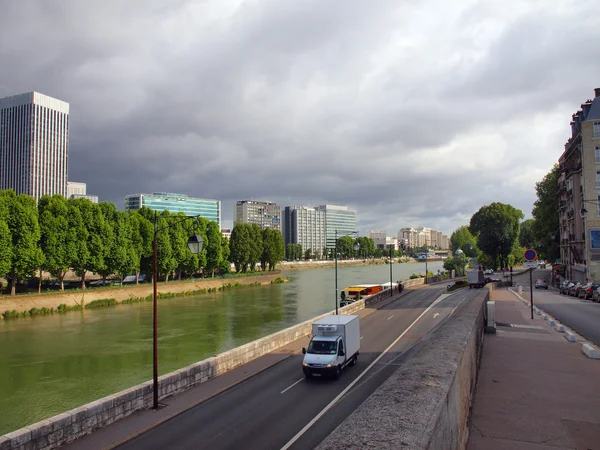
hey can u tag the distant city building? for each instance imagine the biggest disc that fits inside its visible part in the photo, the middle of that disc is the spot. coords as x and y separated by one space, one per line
304 225
79 190
423 237
380 234
264 214
176 203
34 144
340 219
578 195
226 233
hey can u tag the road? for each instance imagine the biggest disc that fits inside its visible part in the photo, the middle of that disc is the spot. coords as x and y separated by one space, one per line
269 409
583 316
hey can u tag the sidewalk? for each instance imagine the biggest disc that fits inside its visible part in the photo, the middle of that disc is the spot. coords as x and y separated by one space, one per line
535 389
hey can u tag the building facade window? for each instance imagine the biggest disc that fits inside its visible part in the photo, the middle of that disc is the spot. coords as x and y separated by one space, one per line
597 129
597 179
597 154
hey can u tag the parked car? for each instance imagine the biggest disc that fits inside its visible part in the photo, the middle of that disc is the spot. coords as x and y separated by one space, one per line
541 284
562 288
587 291
574 290
596 295
488 272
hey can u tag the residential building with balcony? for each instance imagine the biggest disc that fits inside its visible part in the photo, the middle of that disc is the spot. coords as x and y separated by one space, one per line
578 192
264 214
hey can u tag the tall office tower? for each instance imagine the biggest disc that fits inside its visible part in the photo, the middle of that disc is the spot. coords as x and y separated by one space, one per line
304 225
34 144
340 219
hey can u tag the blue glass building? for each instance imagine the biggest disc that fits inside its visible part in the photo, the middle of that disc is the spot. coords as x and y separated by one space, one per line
176 203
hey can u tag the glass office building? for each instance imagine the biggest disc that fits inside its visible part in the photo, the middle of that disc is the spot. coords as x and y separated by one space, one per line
176 203
340 219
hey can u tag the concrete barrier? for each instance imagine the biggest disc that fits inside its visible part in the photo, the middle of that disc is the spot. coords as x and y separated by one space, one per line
559 327
590 351
425 403
570 337
67 427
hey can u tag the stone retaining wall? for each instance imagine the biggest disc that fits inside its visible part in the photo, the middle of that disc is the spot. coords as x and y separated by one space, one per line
67 427
425 404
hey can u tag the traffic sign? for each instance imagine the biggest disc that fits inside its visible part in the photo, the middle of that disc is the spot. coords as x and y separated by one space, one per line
530 264
530 255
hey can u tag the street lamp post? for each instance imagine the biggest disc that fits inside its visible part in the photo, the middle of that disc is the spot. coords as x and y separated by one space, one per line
195 244
391 262
356 247
426 256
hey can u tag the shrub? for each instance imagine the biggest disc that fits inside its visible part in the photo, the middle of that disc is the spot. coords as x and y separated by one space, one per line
101 303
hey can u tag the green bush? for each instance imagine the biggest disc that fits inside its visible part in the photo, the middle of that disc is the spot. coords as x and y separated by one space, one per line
101 303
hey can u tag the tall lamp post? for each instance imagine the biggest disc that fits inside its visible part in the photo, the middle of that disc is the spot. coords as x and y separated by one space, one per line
391 262
195 244
356 247
426 257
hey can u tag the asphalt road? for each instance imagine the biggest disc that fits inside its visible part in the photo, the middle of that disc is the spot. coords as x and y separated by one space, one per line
583 316
269 409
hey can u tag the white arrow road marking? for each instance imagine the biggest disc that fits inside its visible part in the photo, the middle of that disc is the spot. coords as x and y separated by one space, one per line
289 387
435 315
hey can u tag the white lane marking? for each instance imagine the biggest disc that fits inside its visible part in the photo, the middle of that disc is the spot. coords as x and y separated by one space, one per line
435 315
409 303
358 378
362 337
289 387
390 317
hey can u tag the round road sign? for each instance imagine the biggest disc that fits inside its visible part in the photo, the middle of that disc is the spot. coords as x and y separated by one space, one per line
530 255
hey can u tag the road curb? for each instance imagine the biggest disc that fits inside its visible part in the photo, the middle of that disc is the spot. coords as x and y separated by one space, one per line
569 336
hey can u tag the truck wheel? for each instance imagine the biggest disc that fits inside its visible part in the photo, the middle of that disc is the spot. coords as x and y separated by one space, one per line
353 362
337 373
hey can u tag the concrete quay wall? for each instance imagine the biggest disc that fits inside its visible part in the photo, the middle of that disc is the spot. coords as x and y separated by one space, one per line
426 403
67 427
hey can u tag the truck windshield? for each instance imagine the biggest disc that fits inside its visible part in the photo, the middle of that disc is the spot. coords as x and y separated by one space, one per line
322 347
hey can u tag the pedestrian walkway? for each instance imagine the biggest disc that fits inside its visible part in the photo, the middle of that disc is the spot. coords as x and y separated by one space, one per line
535 390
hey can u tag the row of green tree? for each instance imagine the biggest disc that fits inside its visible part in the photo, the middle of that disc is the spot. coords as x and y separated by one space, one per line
251 244
498 237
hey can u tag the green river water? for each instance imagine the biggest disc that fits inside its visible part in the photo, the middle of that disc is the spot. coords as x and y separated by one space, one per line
51 364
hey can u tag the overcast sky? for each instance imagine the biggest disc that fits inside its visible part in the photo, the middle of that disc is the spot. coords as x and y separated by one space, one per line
412 113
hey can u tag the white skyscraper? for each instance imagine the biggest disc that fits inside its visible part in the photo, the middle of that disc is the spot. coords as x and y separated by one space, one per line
34 144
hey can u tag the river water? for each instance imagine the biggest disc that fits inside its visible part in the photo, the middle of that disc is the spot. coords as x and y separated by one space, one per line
51 364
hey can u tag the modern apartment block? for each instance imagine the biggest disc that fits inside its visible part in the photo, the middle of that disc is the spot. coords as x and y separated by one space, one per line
79 190
382 240
379 234
340 219
579 194
423 237
304 225
34 144
264 214
176 203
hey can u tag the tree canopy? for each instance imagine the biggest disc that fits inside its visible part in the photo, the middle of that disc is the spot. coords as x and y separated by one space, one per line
497 229
463 239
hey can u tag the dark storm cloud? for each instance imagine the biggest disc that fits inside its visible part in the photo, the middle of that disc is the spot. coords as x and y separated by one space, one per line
412 114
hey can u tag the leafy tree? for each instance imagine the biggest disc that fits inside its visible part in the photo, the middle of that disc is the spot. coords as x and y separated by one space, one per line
289 251
497 228
214 248
107 237
80 228
308 254
457 263
225 265
179 236
545 214
366 246
462 239
526 233
59 241
240 246
142 233
164 250
256 245
94 223
19 236
345 247
121 258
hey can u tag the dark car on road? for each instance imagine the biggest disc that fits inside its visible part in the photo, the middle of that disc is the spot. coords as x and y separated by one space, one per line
541 284
587 291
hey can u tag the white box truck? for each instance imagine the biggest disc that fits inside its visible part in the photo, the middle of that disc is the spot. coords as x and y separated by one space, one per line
475 279
334 345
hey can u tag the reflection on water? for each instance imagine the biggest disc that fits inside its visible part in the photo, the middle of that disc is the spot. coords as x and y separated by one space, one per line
55 363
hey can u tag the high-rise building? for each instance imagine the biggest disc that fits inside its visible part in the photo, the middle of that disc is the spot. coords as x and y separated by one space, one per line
579 194
304 225
176 203
79 190
338 219
34 144
264 214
